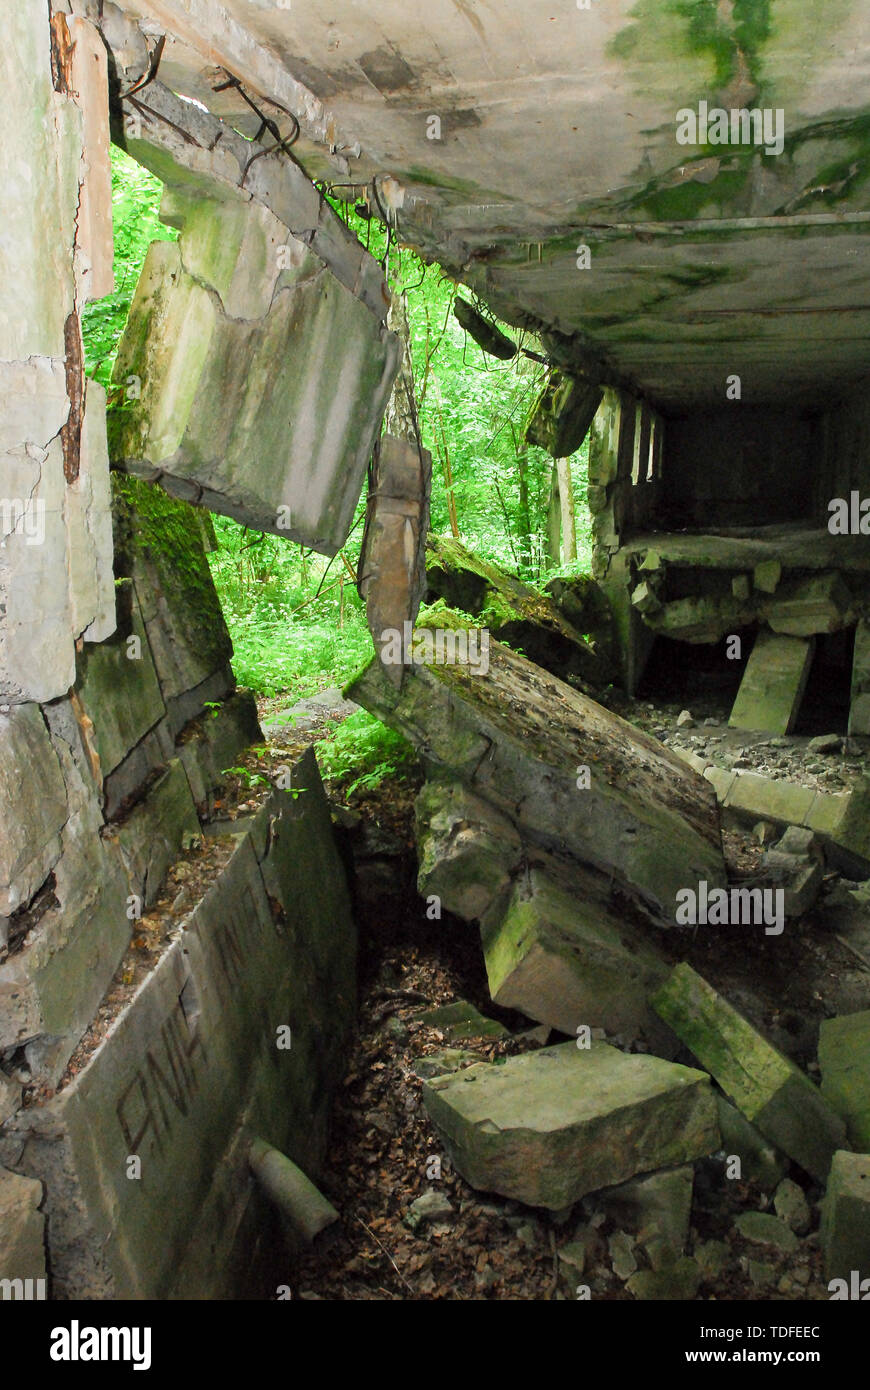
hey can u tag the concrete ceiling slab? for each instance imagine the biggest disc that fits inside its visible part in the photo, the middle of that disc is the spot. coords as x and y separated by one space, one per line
558 127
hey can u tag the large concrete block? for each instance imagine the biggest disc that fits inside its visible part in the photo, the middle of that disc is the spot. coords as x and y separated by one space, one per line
779 1100
549 1126
563 957
238 1032
844 1058
845 1229
33 806
263 379
773 684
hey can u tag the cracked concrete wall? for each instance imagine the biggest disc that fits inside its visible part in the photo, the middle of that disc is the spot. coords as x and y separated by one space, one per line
55 557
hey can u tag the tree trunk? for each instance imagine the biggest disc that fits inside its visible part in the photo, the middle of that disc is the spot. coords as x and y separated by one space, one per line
553 519
566 501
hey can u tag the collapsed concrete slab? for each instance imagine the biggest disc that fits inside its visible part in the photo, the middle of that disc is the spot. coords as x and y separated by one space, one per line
260 380
779 1100
549 1126
572 777
844 1058
845 1229
561 955
237 1032
515 613
773 684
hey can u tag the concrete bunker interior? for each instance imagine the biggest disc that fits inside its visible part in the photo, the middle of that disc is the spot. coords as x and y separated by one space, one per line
634 858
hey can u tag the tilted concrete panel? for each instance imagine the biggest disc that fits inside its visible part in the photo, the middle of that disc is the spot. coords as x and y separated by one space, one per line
258 380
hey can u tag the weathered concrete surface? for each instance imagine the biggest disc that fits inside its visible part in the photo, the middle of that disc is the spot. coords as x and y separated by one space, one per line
766 1087
55 556
845 1227
467 849
262 378
773 684
22 1251
192 1069
820 604
511 610
552 1125
33 806
760 1161
644 817
152 836
561 955
844 1058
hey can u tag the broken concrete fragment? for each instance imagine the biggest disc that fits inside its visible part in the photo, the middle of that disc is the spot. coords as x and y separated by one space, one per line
760 1161
657 1207
767 575
467 850
563 413
773 684
741 586
460 1021
561 955
820 604
700 618
844 1058
644 598
515 613
549 1126
33 805
763 1229
677 1282
845 1229
261 379
22 1250
430 1208
636 811
792 1207
769 1089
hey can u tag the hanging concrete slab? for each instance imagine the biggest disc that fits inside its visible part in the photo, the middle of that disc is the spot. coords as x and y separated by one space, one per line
254 381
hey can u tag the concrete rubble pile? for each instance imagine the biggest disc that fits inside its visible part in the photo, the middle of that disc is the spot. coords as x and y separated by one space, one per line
565 833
